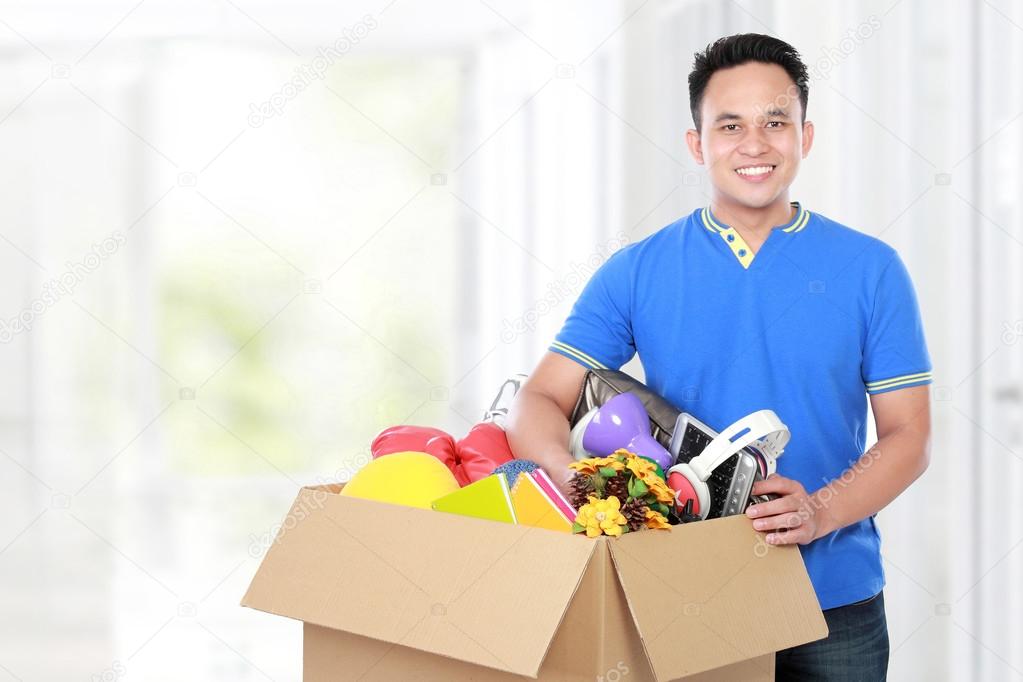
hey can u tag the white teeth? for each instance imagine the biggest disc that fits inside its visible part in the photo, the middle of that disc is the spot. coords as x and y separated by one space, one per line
759 170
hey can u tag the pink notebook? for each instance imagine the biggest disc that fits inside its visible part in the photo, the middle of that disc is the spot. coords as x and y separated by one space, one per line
553 492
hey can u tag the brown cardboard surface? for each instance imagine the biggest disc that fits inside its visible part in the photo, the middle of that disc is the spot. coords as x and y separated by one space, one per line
340 656
389 593
334 656
760 669
713 593
486 593
622 649
596 640
575 651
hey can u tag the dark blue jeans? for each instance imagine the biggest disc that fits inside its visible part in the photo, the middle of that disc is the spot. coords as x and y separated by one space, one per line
855 650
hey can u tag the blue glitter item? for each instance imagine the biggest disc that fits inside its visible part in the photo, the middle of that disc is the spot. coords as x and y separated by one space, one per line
513 468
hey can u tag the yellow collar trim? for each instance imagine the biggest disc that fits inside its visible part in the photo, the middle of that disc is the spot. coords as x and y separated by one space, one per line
800 221
740 249
797 224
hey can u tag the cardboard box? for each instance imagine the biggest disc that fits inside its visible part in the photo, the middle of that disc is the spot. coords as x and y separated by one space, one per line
397 593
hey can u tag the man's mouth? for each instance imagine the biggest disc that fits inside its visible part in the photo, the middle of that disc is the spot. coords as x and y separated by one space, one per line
755 173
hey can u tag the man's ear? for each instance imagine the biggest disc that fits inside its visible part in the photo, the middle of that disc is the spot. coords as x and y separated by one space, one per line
693 142
807 137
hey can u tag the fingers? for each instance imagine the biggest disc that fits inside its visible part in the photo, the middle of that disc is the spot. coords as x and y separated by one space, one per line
789 503
779 522
801 536
785 519
776 484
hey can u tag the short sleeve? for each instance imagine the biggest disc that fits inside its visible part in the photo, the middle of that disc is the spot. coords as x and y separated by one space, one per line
895 354
598 331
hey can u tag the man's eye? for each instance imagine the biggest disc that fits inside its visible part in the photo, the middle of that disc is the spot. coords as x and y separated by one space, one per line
730 127
775 124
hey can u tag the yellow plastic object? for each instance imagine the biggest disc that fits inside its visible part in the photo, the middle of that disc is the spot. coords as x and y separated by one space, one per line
487 498
534 508
414 479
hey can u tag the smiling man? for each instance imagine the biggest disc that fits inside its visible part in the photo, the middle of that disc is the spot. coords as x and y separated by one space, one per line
756 302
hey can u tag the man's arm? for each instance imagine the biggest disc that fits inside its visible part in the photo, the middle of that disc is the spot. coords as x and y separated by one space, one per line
900 456
538 419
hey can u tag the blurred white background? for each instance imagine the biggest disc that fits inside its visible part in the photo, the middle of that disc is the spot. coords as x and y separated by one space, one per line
218 285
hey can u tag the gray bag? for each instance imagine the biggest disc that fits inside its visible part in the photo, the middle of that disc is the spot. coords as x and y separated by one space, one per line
600 385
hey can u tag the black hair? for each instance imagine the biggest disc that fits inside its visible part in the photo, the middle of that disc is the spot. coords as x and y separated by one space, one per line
739 49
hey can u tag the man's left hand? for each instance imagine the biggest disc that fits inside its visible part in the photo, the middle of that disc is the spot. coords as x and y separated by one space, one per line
794 518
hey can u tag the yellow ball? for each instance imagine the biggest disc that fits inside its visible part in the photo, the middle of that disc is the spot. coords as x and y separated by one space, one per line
414 479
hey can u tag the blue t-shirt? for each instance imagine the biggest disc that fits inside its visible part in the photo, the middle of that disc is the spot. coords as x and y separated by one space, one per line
818 318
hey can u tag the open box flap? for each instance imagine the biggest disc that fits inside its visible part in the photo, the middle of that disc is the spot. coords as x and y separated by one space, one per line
488 593
713 593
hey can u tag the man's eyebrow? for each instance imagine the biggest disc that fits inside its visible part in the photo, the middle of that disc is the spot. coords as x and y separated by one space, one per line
727 116
775 112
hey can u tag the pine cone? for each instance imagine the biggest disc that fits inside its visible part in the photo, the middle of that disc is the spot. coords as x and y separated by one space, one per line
616 487
634 512
579 488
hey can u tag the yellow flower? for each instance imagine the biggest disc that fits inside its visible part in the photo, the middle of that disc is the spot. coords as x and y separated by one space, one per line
601 517
585 466
626 455
611 462
655 519
665 496
660 489
643 468
651 479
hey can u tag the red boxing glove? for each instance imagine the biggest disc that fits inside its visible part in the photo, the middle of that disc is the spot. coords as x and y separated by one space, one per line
484 449
470 459
420 439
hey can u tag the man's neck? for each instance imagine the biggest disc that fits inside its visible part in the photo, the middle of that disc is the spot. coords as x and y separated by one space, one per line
753 224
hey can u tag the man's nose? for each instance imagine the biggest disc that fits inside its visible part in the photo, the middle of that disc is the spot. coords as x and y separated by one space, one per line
753 142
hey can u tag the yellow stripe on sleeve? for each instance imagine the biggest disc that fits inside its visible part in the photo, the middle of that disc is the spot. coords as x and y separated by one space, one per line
578 354
897 381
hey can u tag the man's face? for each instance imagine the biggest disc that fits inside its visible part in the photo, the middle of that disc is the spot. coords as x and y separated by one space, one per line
751 138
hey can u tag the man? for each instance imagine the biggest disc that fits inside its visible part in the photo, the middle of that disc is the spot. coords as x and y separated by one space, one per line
755 302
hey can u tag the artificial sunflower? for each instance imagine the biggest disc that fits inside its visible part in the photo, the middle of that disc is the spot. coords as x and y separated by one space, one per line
611 462
655 519
619 493
640 466
600 517
585 466
661 490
